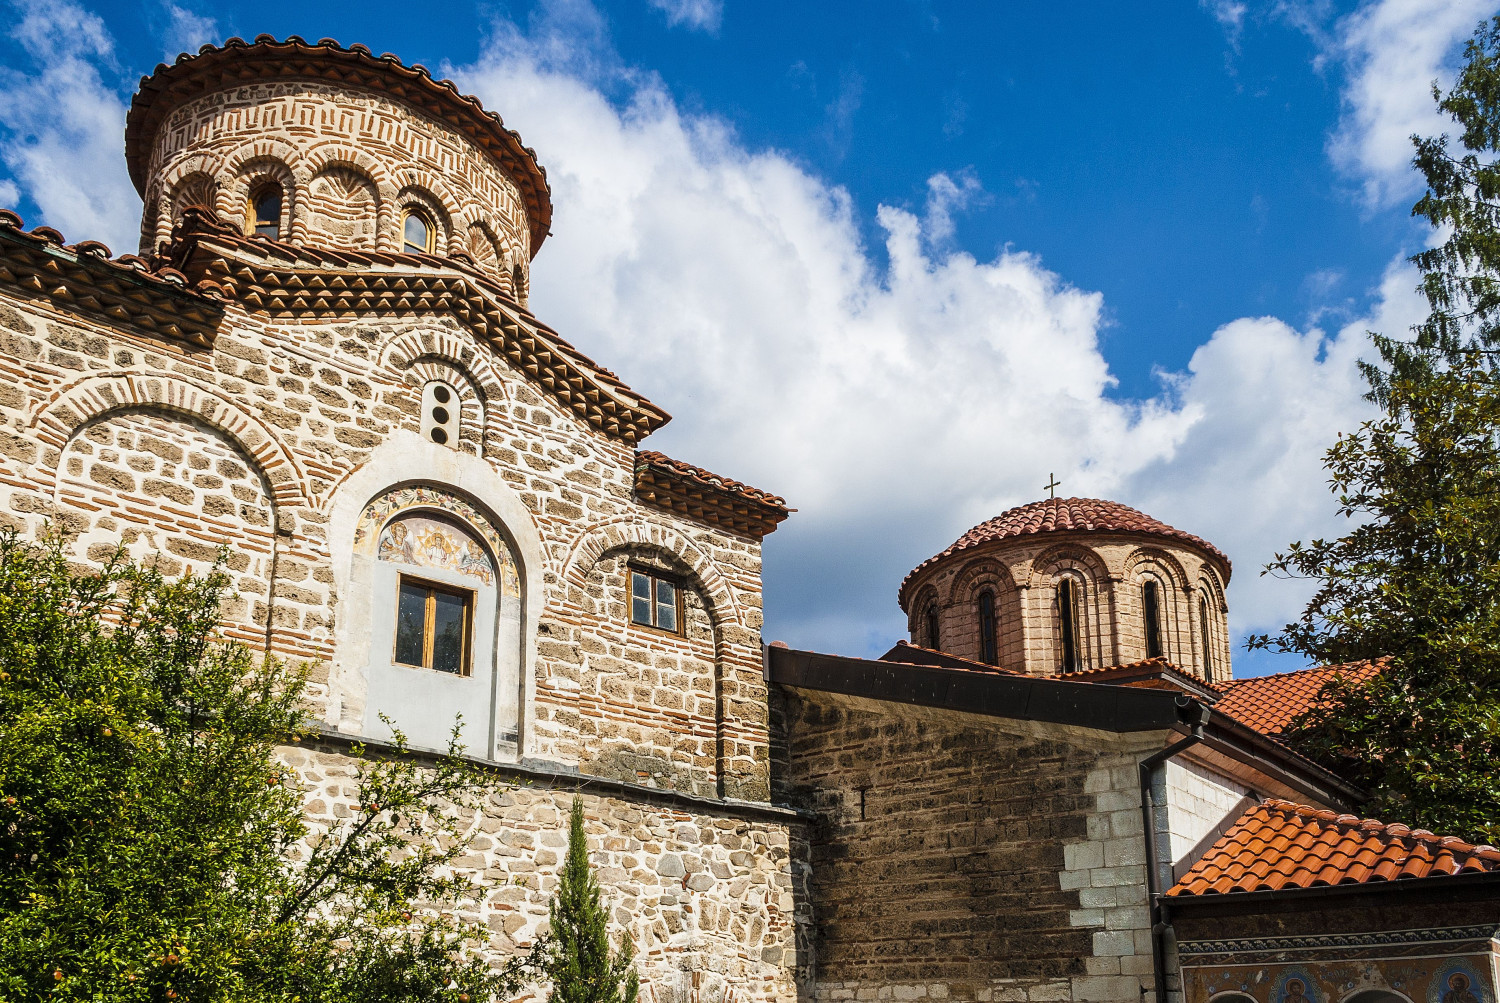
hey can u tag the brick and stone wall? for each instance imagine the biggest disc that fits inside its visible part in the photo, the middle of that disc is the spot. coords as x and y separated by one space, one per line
705 895
962 857
1022 573
348 162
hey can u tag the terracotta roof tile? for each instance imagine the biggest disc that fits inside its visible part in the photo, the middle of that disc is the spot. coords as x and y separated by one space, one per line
1269 703
1062 515
1279 844
681 487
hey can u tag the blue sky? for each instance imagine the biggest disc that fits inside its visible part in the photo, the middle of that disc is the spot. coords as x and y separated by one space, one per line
900 260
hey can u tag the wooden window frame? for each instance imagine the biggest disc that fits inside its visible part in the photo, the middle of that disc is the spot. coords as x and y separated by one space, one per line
426 219
655 575
429 634
252 211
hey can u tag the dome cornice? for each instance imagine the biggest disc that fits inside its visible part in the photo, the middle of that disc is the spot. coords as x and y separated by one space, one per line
238 62
1068 516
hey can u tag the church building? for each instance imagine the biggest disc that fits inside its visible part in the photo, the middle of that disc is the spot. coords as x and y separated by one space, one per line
322 357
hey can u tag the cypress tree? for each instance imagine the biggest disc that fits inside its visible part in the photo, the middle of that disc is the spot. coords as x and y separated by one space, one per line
582 968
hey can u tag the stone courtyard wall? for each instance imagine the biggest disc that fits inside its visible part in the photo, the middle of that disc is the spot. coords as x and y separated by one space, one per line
706 896
960 857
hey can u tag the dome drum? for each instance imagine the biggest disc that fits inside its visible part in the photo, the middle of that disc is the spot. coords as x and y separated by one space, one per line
350 150
1066 585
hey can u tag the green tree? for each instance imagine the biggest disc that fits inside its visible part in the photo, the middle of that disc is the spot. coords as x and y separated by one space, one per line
152 846
1417 578
580 965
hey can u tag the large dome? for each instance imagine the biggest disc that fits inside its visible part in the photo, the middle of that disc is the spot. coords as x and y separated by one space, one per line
1066 515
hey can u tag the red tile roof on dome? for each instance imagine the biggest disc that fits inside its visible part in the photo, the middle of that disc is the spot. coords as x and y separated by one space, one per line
1063 515
1270 703
1279 844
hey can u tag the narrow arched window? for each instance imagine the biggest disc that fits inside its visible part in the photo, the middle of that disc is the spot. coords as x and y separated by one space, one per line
1208 644
987 648
1067 621
932 626
417 234
263 213
1151 603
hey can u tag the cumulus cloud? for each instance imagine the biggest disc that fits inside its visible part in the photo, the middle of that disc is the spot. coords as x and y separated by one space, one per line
61 122
700 15
893 406
1392 51
187 31
895 394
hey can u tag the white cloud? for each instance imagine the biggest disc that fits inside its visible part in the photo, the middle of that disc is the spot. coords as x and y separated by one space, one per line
9 194
1392 51
1231 17
894 408
700 15
61 125
187 31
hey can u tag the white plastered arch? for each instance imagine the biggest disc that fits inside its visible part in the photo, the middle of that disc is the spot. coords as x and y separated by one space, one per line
405 458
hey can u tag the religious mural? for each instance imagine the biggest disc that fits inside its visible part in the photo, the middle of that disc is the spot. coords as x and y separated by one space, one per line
421 525
1441 966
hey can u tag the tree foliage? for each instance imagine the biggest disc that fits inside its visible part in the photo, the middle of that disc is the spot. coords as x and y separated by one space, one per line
1417 578
152 846
580 965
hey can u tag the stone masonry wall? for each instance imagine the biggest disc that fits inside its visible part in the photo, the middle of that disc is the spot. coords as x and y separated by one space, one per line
1023 572
706 898
318 413
962 857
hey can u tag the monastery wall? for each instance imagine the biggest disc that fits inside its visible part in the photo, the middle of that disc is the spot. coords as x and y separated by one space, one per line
960 857
1022 573
706 896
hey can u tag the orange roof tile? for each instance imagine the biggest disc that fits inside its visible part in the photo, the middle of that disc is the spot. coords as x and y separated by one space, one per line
1278 844
681 487
1061 515
1269 703
1155 672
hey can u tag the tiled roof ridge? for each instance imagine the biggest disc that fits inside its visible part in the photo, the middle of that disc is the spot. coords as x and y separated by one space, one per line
1157 662
261 274
700 494
1278 844
85 277
1357 663
977 666
1269 703
1076 515
710 478
1397 830
417 87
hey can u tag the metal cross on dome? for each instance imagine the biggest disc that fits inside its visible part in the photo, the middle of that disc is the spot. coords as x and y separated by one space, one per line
1052 485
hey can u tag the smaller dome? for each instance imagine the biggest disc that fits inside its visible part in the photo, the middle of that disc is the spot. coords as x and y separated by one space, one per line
1066 515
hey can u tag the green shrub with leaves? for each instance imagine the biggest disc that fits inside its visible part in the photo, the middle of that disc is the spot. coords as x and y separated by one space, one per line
1417 577
580 964
153 848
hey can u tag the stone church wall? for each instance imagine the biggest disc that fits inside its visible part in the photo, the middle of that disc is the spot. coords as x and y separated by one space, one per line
275 440
959 857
